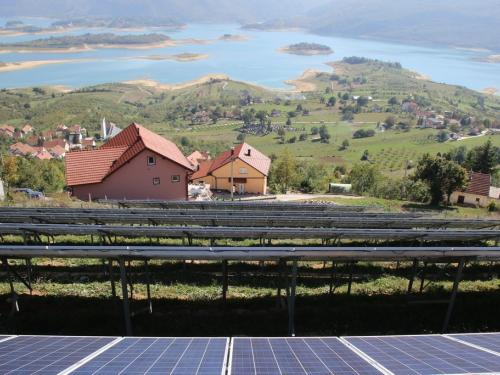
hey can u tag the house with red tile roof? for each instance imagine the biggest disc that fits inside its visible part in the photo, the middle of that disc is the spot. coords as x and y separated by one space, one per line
56 142
21 149
57 152
479 192
88 143
198 157
44 156
135 164
8 130
250 169
26 129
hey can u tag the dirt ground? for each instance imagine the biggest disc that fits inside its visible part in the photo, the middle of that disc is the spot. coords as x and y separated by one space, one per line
280 197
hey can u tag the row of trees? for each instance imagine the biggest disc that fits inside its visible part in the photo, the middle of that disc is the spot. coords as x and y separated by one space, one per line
47 176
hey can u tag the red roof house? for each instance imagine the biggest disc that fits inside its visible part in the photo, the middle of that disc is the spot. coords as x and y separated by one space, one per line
477 193
250 170
135 164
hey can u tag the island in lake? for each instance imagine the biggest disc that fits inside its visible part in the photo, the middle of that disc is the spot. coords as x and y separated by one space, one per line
306 49
87 41
230 37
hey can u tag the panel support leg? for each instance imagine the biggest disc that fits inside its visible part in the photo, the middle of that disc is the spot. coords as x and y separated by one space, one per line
453 294
423 278
126 306
350 279
15 306
334 269
280 283
412 276
150 304
113 287
291 304
224 283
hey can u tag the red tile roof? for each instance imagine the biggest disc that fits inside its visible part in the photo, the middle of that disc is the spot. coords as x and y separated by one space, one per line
479 184
256 159
139 138
90 166
55 142
44 156
203 170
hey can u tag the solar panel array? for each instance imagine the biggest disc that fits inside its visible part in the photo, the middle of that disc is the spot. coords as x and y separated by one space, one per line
425 354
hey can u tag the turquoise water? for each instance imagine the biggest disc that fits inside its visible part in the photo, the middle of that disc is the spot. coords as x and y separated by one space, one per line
255 60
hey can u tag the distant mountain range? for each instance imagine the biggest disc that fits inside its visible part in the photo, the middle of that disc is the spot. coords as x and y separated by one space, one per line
204 11
460 23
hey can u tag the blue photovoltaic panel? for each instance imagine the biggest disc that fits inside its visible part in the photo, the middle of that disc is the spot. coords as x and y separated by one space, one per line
182 356
291 356
46 355
426 355
490 341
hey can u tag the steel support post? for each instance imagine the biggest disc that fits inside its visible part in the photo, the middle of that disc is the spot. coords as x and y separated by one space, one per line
412 276
113 287
150 304
350 279
334 269
224 283
453 294
28 273
291 304
126 305
15 306
280 283
423 278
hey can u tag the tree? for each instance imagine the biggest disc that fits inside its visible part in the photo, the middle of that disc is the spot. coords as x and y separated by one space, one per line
486 159
390 121
299 108
288 122
10 172
285 170
362 101
364 177
314 130
282 133
345 143
366 155
322 100
332 101
241 137
261 116
324 134
441 176
303 137
345 96
393 101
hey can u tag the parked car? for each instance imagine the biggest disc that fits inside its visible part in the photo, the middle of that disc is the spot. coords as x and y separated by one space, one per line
32 194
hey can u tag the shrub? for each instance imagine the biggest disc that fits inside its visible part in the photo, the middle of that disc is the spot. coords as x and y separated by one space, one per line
493 206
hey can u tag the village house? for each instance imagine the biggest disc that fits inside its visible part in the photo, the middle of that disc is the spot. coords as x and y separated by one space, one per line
26 130
409 107
56 142
275 113
88 142
479 192
21 149
135 164
8 130
198 157
57 152
44 156
249 167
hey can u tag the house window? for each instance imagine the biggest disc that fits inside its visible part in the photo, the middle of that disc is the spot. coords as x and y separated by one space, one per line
176 178
156 181
243 170
151 160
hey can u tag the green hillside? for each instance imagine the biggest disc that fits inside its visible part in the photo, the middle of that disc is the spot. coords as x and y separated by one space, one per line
172 113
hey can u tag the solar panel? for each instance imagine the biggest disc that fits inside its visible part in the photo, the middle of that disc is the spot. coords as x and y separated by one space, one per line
46 355
295 356
490 341
425 355
183 356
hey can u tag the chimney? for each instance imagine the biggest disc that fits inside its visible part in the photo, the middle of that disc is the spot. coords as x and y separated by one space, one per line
249 151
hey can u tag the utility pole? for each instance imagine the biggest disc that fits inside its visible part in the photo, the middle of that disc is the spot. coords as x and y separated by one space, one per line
232 174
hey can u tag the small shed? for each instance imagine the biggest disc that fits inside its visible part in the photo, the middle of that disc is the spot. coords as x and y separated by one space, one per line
341 188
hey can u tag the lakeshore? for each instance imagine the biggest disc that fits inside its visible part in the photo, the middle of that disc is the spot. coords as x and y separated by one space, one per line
288 49
13 66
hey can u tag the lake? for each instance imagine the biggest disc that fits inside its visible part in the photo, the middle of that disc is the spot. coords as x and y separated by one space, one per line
255 60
